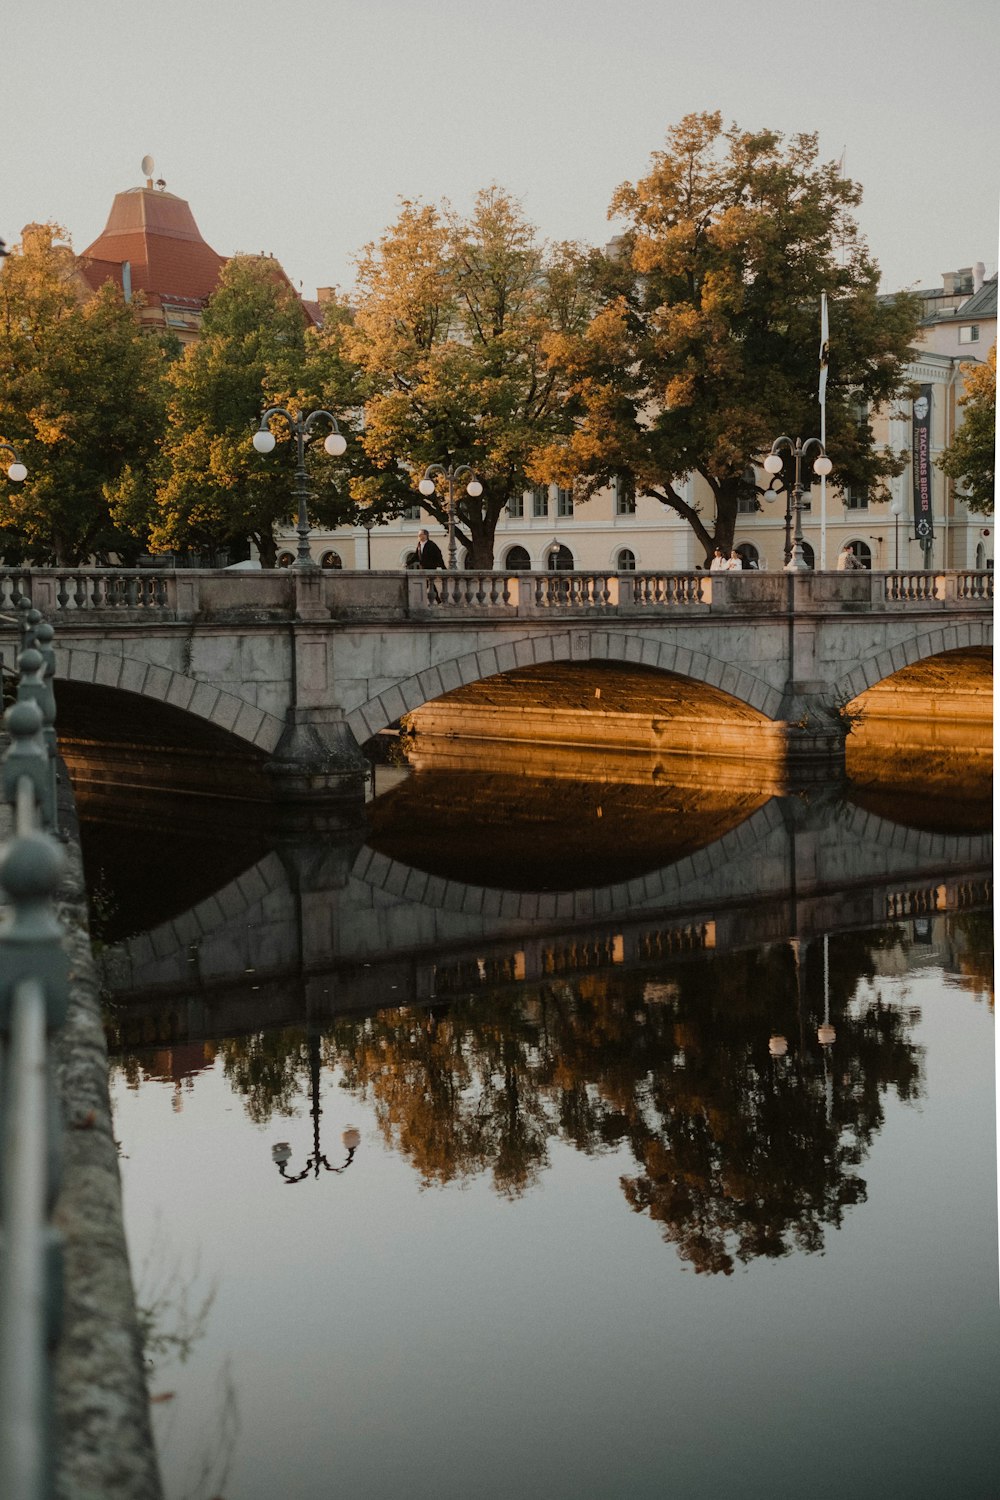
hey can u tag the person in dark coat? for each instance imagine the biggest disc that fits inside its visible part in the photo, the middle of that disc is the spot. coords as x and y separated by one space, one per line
428 552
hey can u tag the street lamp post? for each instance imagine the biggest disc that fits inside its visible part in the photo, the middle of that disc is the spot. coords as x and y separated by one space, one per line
335 444
15 470
773 464
473 488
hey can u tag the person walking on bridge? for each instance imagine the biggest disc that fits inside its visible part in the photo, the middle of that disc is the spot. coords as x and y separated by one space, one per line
428 553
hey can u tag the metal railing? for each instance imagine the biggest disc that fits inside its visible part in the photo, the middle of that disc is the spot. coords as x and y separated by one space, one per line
33 1001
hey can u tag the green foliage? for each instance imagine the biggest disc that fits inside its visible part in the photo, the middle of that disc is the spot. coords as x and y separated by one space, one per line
971 459
451 328
255 350
81 398
705 346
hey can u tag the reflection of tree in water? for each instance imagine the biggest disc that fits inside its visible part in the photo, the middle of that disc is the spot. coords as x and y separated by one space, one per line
268 1069
739 1154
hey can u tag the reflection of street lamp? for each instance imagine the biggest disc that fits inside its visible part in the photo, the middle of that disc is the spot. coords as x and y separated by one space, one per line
473 488
351 1137
773 464
15 470
335 444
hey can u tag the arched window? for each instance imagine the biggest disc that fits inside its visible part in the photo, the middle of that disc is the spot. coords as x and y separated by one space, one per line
517 561
559 559
809 555
749 554
412 561
980 557
331 560
625 562
285 559
863 553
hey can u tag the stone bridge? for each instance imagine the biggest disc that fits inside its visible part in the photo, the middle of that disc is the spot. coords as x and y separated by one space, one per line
303 668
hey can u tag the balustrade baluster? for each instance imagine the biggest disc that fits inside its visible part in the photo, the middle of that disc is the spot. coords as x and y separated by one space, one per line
80 591
62 594
131 591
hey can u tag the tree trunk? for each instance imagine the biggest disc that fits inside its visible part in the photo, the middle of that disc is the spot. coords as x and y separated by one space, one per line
268 549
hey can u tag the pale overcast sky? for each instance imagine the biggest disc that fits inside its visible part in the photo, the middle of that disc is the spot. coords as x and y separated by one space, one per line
296 129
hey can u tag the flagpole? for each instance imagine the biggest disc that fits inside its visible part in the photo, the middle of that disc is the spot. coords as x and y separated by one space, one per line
824 356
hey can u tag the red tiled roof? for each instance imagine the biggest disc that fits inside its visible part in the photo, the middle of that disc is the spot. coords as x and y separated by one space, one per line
156 233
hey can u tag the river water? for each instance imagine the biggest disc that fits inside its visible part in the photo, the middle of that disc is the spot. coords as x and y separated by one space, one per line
560 1136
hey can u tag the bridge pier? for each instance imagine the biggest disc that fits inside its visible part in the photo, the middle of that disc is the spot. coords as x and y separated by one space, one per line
317 767
815 736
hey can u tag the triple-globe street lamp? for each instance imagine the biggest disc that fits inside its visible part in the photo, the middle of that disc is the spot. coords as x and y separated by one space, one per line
301 427
773 463
450 475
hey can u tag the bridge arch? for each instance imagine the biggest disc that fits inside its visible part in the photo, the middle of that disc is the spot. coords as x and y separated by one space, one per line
162 685
920 647
627 647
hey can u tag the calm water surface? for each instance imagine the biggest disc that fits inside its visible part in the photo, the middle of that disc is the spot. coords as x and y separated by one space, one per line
661 1187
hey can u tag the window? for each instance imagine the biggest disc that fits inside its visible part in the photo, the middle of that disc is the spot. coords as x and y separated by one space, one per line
517 561
540 500
331 560
564 502
747 503
515 507
969 333
413 512
560 559
862 552
285 559
856 497
626 561
624 496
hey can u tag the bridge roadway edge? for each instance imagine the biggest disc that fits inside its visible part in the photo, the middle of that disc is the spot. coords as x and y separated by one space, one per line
104 1441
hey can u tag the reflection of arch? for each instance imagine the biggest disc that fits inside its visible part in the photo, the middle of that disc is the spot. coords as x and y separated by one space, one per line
625 561
978 633
517 560
559 559
862 551
912 848
331 560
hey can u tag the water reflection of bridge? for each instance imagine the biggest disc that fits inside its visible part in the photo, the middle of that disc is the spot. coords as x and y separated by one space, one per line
323 929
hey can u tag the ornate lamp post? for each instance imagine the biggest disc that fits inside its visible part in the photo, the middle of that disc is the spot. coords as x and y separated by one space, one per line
773 464
335 444
15 470
473 488
351 1137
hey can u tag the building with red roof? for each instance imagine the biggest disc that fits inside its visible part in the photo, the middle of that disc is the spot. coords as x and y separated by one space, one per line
152 244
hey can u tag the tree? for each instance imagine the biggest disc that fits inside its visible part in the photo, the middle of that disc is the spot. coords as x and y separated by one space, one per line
81 398
971 459
452 322
705 346
255 350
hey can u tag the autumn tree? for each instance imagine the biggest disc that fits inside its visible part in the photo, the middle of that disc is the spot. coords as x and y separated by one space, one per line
452 321
212 488
705 346
971 458
81 399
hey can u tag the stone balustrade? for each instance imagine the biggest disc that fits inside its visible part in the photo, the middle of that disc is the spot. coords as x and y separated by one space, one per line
284 594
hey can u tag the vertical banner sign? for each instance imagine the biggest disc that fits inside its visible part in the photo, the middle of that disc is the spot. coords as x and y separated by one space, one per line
923 517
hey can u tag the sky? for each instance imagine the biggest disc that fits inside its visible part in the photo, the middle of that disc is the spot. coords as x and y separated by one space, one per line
296 130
